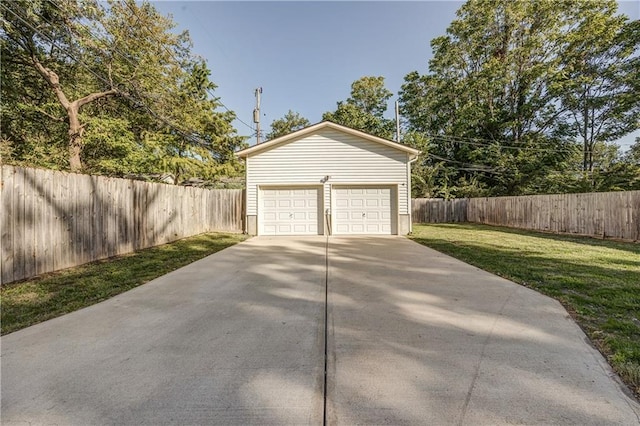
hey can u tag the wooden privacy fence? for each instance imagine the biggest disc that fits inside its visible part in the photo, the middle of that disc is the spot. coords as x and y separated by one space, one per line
600 214
53 220
437 210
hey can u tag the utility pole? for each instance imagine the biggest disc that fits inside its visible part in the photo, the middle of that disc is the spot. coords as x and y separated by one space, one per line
397 122
256 114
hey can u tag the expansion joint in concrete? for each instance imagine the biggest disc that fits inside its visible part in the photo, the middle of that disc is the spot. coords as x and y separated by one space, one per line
326 328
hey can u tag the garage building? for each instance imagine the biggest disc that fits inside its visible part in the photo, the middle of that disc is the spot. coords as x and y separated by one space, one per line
328 179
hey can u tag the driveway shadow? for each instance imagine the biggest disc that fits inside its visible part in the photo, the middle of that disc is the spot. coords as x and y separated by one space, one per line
421 338
415 337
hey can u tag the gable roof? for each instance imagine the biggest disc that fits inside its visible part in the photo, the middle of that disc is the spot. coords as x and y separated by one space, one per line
321 126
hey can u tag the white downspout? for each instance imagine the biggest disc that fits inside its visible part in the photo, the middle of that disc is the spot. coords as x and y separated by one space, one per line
409 206
245 219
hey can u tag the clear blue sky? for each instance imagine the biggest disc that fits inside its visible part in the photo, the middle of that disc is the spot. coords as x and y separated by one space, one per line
305 55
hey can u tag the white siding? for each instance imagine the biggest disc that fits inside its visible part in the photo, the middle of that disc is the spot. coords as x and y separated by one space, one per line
346 158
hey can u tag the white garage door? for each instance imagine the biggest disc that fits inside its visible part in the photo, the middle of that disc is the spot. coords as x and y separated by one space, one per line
363 210
289 211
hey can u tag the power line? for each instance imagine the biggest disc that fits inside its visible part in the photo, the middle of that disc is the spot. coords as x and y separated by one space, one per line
495 143
217 99
465 141
102 42
467 167
190 135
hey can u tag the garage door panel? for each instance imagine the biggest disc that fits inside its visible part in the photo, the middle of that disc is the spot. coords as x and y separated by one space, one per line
301 229
289 211
357 228
342 229
284 229
363 210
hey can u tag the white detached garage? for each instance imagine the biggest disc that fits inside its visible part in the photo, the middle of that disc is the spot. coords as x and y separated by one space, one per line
328 179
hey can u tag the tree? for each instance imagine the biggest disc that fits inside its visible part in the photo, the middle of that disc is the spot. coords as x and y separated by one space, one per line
291 122
364 109
208 149
633 154
369 95
423 173
133 96
186 134
42 34
31 121
600 68
492 99
629 175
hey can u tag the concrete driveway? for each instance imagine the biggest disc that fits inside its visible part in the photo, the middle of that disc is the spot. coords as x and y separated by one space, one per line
414 337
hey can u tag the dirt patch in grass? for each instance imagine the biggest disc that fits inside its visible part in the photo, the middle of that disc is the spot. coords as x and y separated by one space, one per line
30 302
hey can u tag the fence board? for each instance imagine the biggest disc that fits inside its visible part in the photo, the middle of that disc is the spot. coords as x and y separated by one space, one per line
53 220
6 222
436 210
18 225
603 214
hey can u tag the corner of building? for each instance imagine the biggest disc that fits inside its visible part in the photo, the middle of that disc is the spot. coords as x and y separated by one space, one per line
404 224
252 225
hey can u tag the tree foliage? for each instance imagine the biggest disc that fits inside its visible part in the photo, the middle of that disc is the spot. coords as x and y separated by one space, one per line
364 109
291 122
500 103
599 85
124 87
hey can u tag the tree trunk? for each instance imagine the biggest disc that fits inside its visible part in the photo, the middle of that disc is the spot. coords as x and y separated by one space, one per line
73 111
587 163
75 138
585 156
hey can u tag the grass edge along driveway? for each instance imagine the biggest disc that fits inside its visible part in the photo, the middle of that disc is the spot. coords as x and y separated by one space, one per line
597 281
54 294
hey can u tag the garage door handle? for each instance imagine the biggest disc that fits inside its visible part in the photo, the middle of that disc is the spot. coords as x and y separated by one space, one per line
290 215
364 215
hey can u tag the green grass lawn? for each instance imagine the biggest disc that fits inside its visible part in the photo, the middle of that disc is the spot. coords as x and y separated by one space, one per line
597 281
29 302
